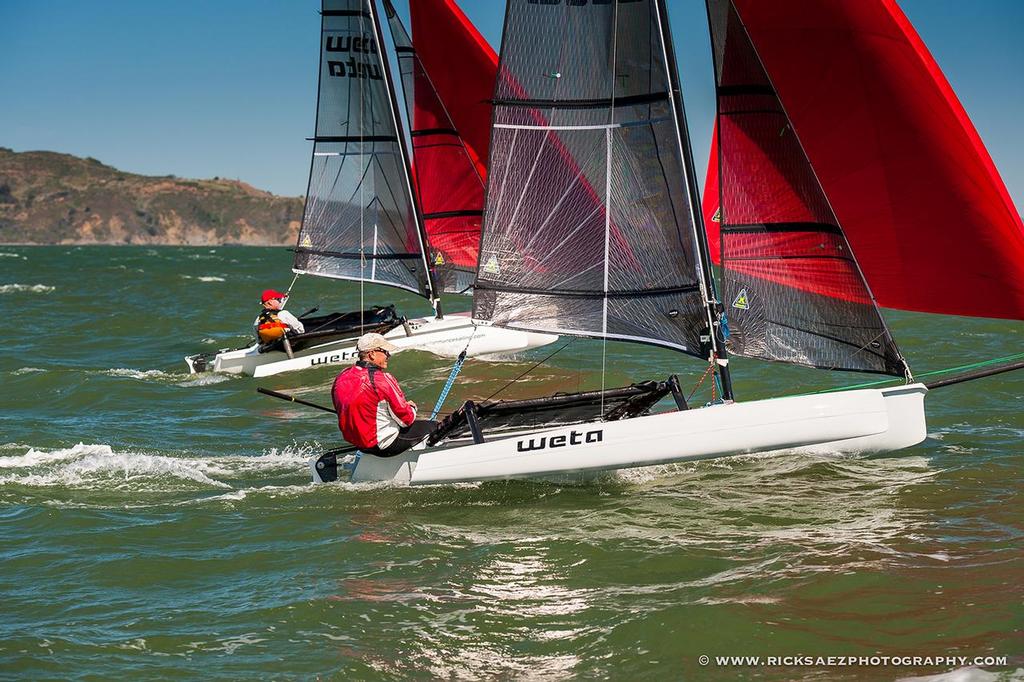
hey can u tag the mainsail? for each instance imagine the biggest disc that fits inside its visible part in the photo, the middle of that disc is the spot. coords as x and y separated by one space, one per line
779 233
360 219
589 227
449 187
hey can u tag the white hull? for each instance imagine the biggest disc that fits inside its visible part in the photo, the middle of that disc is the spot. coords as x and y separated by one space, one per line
856 421
446 337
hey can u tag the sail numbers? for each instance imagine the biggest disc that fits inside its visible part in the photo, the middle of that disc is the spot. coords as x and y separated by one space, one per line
353 68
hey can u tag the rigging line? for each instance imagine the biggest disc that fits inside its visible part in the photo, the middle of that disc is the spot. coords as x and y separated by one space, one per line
533 367
973 365
452 375
288 291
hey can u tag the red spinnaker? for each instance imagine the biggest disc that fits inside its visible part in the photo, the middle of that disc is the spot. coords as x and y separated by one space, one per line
914 188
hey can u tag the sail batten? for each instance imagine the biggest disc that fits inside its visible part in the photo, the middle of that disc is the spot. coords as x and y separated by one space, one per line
359 222
588 228
777 230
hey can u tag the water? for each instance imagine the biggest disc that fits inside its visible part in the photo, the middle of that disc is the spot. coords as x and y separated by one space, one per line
162 525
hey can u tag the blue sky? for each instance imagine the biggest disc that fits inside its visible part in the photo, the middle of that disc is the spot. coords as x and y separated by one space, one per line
201 88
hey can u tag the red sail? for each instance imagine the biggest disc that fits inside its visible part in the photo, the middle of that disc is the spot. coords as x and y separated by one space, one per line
462 68
920 201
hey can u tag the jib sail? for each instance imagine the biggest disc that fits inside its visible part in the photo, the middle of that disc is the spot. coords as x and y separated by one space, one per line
589 223
360 220
791 287
450 190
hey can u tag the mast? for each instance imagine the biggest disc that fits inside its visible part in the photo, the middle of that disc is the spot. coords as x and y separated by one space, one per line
711 302
435 299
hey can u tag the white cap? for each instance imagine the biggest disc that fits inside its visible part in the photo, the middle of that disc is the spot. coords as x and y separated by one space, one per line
373 341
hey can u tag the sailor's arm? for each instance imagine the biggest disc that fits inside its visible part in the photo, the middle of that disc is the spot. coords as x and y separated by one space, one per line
404 410
292 321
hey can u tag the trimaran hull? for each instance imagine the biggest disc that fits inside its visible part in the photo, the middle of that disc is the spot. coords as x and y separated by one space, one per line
447 337
852 422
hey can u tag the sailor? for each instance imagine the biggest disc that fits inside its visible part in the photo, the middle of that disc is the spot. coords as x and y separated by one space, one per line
273 321
373 413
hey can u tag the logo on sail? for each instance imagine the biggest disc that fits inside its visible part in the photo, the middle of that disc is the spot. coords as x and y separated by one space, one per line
742 301
717 218
439 259
491 267
307 242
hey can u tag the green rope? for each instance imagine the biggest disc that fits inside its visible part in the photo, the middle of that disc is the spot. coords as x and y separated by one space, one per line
973 365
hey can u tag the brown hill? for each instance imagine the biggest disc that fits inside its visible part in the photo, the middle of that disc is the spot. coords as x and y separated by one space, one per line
50 198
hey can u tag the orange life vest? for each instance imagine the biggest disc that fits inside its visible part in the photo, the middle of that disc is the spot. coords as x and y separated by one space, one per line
268 327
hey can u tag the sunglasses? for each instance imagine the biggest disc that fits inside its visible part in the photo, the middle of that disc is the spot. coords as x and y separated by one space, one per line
381 350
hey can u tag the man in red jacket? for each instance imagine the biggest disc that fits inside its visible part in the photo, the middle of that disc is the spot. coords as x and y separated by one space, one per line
373 413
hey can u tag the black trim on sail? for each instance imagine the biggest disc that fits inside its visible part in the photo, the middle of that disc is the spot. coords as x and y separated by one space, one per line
356 138
782 227
577 293
356 255
629 101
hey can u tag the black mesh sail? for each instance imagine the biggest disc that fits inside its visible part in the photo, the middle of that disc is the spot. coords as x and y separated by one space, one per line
448 184
791 287
588 228
360 221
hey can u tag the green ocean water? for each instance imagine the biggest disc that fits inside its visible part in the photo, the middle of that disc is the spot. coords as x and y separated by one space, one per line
159 525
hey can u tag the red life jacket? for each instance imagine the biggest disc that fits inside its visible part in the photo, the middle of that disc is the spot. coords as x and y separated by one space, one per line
371 406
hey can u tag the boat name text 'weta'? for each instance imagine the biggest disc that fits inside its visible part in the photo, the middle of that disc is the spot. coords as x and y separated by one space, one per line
351 68
574 438
337 357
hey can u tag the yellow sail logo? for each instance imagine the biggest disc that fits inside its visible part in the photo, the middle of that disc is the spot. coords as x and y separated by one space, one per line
742 301
438 259
491 267
717 218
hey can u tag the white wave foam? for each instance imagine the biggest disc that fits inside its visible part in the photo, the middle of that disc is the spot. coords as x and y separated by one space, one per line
281 473
89 466
138 373
33 288
206 278
27 370
206 380
13 255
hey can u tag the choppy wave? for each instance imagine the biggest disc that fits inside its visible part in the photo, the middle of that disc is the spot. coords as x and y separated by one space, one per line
27 370
100 467
32 288
13 255
159 376
205 278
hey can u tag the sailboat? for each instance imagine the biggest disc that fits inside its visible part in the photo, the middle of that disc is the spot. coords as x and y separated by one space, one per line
589 127
375 215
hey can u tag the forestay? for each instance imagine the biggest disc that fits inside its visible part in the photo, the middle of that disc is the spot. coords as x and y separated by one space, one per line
589 228
791 286
449 188
360 221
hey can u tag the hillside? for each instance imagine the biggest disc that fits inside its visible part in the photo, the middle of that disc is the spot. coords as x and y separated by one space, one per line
51 198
